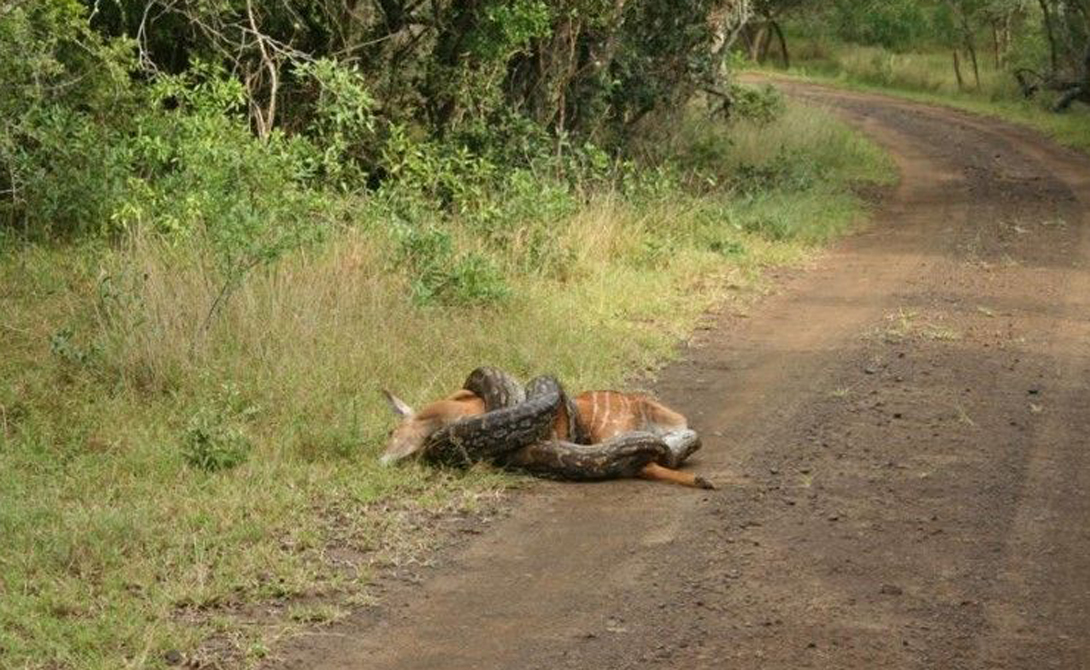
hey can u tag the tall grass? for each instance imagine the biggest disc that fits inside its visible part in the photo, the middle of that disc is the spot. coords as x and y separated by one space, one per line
123 407
929 77
930 72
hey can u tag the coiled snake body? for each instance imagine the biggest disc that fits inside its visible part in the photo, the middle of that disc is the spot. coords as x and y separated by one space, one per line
516 431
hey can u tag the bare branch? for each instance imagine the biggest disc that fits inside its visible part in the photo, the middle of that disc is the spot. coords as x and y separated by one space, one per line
265 121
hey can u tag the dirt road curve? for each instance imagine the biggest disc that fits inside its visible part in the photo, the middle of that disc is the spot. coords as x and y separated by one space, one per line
901 436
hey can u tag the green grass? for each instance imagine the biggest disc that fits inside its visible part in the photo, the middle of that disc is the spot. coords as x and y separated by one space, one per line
117 549
929 78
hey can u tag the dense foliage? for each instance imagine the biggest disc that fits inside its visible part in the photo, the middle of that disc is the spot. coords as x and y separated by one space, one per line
141 112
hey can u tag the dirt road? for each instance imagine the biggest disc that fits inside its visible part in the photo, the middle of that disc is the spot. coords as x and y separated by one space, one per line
901 436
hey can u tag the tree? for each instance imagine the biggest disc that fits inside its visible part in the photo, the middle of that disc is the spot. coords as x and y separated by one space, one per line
766 25
967 14
575 66
1001 16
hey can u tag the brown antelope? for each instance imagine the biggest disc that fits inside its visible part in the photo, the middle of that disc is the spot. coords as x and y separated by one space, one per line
602 415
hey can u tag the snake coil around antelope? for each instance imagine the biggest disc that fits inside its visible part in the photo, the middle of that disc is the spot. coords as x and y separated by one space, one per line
516 431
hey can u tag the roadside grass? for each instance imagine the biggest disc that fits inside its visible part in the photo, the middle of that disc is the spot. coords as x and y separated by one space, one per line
161 481
929 78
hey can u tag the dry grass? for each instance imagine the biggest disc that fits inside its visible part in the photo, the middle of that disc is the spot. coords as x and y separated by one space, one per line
930 72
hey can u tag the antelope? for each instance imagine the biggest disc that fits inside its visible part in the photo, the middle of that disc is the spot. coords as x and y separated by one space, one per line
602 415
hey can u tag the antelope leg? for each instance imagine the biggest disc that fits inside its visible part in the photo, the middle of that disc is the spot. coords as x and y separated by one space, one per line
655 472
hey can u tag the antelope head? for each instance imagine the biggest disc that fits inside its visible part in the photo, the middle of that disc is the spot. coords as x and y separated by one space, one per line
407 439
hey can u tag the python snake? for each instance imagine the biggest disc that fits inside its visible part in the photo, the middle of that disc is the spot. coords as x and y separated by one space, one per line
516 431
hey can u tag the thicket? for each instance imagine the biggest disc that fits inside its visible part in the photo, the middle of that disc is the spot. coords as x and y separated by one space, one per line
261 127
245 120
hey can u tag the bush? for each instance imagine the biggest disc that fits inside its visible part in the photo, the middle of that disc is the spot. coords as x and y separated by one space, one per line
67 105
343 127
63 346
440 275
889 23
214 438
760 105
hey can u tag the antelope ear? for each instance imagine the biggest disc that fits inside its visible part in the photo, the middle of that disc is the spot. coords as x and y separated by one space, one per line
397 405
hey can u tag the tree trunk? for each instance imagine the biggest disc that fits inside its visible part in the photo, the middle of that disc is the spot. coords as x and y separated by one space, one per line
783 45
957 71
971 47
1007 36
1028 82
446 55
757 46
1086 64
728 25
1050 34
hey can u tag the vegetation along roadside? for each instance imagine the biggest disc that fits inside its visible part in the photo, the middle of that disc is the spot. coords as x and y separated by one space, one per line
1026 61
215 250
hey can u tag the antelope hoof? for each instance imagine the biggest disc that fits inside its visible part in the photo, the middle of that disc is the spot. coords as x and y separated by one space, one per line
703 483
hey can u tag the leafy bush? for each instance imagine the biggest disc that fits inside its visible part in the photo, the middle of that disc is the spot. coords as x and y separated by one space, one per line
343 128
440 275
890 23
214 438
760 105
67 106
63 346
717 230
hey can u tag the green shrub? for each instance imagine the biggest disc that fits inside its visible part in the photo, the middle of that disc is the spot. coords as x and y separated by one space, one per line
67 105
63 346
758 104
786 169
441 275
890 23
343 128
214 438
